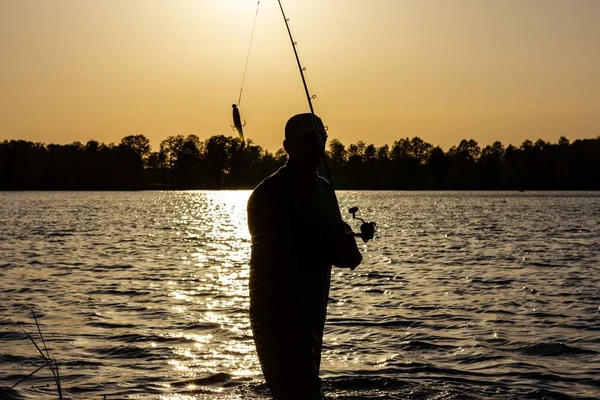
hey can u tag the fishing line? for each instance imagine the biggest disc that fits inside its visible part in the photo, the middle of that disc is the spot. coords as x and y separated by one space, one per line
237 119
248 55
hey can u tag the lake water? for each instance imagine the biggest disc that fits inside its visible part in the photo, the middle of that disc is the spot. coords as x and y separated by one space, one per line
464 295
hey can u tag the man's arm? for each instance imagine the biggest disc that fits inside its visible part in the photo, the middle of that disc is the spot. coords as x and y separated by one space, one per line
345 249
346 253
263 221
268 224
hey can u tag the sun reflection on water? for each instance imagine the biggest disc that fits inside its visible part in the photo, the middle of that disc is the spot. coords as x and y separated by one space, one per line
210 301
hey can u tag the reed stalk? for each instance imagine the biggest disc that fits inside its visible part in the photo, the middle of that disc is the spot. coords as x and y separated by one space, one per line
49 361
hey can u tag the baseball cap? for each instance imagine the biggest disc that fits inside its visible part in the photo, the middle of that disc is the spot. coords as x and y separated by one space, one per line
301 124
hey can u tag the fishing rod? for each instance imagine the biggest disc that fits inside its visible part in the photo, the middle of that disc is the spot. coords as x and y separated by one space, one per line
308 95
367 229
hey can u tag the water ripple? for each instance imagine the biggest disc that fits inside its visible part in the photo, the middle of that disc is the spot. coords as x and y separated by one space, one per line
469 295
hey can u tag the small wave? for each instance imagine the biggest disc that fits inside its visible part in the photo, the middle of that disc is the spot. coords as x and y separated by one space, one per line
16 359
120 292
494 282
575 230
416 345
101 267
199 326
210 380
60 234
387 322
124 352
380 388
379 275
135 337
19 290
71 264
81 363
109 325
546 349
17 335
374 291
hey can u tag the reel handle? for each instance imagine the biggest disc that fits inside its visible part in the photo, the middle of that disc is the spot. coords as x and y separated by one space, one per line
367 229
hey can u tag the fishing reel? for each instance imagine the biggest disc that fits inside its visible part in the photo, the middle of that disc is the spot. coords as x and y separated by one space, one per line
367 229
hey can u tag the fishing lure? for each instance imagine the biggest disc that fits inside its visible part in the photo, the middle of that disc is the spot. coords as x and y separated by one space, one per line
237 122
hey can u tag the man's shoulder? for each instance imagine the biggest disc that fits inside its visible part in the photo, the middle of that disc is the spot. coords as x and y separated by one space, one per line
270 185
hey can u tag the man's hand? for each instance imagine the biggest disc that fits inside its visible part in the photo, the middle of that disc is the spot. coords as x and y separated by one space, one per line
345 252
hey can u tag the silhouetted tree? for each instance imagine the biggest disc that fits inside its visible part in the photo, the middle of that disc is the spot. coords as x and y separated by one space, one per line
463 173
224 162
490 165
138 144
187 164
437 168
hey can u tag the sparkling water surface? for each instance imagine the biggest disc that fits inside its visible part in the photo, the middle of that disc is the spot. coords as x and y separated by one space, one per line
144 295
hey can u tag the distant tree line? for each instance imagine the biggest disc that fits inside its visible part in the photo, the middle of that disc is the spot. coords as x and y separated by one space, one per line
221 162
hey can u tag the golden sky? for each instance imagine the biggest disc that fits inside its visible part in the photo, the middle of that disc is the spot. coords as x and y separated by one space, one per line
444 70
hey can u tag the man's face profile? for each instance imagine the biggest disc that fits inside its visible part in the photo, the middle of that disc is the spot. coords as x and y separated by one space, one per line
307 149
305 138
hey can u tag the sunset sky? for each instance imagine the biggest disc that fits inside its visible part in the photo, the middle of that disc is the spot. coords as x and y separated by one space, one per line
444 70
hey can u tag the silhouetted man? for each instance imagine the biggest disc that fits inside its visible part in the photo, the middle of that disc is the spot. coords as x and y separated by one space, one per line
297 235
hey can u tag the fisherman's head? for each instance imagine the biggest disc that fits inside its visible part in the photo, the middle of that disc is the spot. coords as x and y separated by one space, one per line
303 143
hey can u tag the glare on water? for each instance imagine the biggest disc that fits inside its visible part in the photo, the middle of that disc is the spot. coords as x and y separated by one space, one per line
145 295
